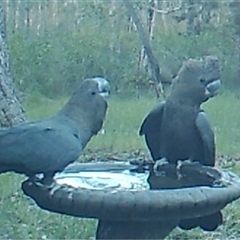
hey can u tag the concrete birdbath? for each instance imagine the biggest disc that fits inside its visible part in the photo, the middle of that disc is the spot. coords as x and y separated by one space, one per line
133 205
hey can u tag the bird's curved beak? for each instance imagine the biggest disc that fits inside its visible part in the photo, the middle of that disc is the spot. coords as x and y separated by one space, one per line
104 92
103 86
212 88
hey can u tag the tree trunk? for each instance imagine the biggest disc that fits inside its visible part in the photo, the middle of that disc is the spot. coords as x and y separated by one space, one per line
111 14
235 7
150 27
144 37
11 111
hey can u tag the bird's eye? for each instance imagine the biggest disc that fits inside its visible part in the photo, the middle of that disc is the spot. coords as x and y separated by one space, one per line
93 93
202 80
75 135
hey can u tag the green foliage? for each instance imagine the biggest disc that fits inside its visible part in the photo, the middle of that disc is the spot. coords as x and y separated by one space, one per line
177 48
54 60
54 63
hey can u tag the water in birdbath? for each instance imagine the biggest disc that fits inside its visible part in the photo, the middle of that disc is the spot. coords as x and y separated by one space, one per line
116 176
119 176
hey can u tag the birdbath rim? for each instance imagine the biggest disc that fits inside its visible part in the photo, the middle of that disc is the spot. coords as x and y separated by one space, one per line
137 205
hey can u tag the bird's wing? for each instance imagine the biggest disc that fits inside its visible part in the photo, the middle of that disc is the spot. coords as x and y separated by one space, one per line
151 128
43 145
207 135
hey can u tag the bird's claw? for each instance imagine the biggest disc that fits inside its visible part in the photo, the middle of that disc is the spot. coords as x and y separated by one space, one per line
45 185
159 163
185 162
180 164
44 182
54 189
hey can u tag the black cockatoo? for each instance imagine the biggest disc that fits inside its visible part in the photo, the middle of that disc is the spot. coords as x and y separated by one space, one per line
178 129
48 146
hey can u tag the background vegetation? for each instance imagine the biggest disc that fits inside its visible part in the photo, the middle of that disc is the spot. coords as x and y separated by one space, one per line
54 44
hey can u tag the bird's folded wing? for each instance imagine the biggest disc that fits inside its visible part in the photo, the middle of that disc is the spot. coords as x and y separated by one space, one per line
39 145
151 128
207 136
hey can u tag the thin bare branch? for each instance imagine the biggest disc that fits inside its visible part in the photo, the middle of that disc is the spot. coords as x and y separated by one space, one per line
167 11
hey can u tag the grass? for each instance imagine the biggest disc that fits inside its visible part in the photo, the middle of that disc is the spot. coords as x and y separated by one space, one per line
125 115
21 218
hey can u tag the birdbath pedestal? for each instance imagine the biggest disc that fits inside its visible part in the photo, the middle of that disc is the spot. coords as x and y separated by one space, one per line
132 205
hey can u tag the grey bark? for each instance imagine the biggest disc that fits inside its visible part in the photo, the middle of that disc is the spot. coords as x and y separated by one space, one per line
144 37
235 7
11 111
143 61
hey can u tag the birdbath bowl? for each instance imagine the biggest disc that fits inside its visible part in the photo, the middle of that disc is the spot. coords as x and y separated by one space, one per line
134 203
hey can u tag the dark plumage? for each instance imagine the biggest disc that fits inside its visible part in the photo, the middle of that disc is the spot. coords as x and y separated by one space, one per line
178 129
48 146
